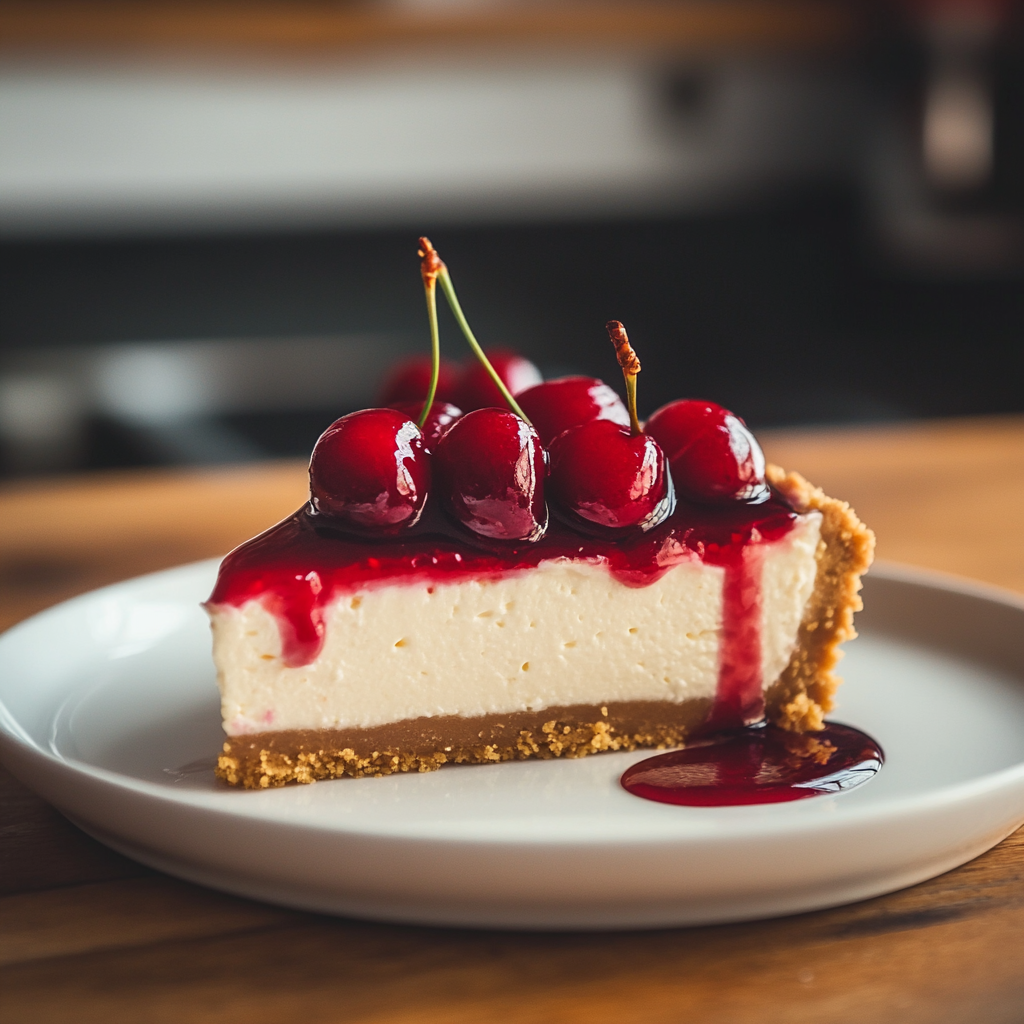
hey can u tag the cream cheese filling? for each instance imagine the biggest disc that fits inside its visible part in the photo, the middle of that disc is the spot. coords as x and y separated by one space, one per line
560 634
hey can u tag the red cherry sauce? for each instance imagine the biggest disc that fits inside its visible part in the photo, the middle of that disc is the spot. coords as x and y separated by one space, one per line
759 765
305 562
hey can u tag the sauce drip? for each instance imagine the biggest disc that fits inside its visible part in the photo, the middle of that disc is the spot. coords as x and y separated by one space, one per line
759 765
739 699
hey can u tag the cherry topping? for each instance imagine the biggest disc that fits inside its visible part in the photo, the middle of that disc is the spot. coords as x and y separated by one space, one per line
490 467
714 457
557 405
409 381
476 389
440 417
371 469
607 476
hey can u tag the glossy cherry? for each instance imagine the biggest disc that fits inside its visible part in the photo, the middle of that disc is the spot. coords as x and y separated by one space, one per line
476 390
607 476
490 475
713 456
557 405
371 469
441 416
410 380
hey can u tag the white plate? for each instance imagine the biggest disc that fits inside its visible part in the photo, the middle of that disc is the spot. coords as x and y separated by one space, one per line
108 709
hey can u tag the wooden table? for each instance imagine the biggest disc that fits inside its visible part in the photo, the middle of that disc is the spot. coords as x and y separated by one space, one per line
86 935
297 27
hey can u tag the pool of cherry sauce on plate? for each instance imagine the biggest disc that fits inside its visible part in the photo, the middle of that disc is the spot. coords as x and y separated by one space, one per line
757 765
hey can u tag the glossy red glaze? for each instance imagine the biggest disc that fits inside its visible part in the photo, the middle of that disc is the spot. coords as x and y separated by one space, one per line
740 696
557 405
603 474
757 766
410 380
713 456
490 475
305 562
371 470
476 390
441 416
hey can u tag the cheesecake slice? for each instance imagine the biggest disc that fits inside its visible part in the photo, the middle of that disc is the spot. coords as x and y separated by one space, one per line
341 655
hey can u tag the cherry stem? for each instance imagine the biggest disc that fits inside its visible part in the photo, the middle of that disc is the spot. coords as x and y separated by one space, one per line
449 293
429 264
630 368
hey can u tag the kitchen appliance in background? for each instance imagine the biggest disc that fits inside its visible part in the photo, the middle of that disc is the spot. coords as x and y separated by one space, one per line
946 182
248 117
173 402
132 136
793 204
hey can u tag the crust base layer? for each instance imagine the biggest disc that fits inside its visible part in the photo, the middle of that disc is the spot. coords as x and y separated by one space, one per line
262 760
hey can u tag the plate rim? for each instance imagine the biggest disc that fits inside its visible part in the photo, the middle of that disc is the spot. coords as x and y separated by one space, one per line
731 822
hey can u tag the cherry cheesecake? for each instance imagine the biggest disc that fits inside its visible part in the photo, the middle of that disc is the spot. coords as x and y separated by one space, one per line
544 578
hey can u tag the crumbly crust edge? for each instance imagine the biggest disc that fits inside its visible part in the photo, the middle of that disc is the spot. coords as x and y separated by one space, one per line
263 767
805 692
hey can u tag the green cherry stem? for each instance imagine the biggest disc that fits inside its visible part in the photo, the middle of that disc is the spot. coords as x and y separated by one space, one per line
429 263
449 293
630 368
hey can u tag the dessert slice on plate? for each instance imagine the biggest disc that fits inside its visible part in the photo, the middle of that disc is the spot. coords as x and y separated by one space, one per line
539 581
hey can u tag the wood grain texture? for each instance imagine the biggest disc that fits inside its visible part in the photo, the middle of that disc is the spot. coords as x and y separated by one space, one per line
88 936
139 912
316 27
40 849
945 951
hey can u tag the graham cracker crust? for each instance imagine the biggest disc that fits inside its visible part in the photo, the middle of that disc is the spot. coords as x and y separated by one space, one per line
270 759
798 700
803 694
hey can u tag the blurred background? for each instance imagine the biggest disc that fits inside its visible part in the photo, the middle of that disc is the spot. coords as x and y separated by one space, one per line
809 211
